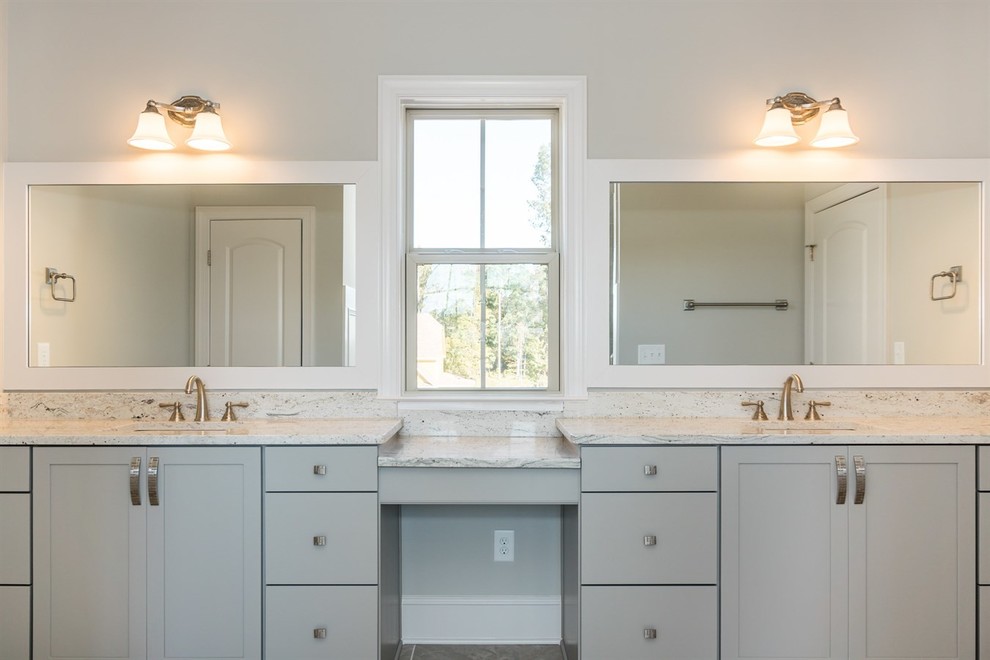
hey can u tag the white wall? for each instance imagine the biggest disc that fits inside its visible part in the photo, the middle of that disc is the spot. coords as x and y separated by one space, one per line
666 79
449 550
712 243
943 332
132 260
131 251
453 590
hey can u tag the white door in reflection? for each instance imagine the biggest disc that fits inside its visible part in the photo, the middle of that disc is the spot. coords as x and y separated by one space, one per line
257 311
844 276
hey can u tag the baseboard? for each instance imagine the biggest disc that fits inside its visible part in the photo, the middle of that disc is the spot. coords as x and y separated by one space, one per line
481 620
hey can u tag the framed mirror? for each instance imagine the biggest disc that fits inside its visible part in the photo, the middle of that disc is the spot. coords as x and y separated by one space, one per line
255 276
735 282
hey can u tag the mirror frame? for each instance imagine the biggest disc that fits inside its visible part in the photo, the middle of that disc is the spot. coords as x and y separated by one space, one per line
177 169
762 167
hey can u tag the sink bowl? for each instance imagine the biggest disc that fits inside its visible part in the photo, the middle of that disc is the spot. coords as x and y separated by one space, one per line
204 428
799 426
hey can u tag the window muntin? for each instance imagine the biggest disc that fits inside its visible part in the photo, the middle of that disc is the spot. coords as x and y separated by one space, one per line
482 268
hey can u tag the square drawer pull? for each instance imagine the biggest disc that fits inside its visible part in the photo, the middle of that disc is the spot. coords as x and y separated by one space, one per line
319 633
319 540
650 470
649 633
649 540
320 470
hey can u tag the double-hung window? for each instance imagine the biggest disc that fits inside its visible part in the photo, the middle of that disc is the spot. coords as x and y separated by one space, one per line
482 253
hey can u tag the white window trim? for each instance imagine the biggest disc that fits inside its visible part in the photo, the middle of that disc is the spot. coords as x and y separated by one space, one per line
568 95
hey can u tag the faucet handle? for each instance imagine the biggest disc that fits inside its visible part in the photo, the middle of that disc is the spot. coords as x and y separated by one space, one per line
176 407
228 413
813 409
759 414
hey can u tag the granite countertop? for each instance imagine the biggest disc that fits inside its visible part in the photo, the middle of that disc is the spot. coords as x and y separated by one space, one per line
722 431
334 431
478 452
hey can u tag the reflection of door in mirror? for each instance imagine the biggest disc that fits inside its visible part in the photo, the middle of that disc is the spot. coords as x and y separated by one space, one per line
845 237
260 312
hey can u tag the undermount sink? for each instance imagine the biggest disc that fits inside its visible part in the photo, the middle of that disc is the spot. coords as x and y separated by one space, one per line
186 427
799 426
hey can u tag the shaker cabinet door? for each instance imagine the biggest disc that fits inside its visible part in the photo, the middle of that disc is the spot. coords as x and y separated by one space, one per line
204 554
912 543
89 555
784 554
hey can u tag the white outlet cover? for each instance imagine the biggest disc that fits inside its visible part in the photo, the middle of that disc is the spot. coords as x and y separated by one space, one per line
652 354
505 545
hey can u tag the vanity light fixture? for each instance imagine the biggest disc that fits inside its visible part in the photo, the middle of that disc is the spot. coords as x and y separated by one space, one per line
797 108
199 113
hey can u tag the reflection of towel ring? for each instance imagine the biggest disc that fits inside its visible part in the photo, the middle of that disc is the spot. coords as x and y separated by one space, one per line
52 276
955 276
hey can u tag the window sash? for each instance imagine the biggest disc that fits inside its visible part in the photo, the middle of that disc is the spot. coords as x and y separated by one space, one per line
414 114
550 260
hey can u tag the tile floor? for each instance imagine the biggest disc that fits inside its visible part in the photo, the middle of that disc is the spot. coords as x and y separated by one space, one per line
477 652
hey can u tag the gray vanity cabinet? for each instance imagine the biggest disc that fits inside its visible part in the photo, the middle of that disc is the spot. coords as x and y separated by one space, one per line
137 562
15 553
649 553
321 552
882 570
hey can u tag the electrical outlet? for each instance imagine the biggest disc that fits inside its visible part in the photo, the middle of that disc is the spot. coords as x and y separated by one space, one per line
44 354
505 545
652 354
899 355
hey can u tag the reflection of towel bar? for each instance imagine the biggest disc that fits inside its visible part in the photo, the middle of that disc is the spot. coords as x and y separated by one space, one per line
780 304
955 277
52 276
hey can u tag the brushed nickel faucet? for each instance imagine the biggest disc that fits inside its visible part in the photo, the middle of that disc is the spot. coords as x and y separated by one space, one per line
202 410
786 411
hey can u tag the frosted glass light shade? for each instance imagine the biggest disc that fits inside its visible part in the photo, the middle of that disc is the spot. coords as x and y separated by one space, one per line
208 133
151 133
834 130
777 131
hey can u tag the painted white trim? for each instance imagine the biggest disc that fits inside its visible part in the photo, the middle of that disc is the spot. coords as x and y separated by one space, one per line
569 95
481 620
175 168
763 166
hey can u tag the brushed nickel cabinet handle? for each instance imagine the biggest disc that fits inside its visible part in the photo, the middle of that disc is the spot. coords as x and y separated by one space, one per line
320 470
859 465
136 481
650 470
649 633
153 481
319 633
649 540
320 541
841 479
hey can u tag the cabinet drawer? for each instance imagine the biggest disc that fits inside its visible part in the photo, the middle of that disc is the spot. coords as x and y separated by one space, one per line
15 538
614 527
15 469
15 623
615 623
348 616
300 468
630 469
347 525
